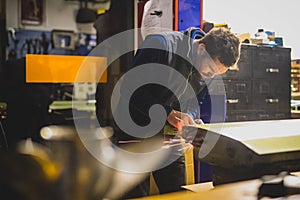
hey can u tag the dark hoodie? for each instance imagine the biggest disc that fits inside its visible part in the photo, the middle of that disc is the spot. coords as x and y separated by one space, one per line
172 49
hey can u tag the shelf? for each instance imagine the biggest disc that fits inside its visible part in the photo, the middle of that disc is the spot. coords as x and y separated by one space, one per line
295 65
295 94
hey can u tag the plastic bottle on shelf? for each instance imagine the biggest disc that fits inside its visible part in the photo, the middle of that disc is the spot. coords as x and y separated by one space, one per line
262 35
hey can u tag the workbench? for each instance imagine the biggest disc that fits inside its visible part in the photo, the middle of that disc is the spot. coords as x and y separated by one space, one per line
244 190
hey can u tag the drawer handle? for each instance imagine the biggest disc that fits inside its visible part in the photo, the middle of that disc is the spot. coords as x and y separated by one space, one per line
272 100
233 101
272 70
263 116
241 117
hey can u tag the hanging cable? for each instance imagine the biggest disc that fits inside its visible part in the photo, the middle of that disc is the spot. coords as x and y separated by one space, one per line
4 135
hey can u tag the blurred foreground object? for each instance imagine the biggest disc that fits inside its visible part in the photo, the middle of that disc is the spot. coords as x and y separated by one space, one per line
63 168
28 173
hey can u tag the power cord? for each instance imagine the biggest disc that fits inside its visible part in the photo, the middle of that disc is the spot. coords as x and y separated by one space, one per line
4 136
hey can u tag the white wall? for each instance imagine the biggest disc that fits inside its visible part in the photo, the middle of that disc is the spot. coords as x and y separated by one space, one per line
282 17
58 14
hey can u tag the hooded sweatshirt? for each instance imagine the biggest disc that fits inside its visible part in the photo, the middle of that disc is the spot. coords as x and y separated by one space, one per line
174 51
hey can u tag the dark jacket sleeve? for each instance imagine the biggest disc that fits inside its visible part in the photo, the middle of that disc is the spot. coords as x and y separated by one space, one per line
152 51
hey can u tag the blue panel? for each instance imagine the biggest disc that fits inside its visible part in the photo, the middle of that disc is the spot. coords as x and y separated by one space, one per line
219 103
189 14
203 171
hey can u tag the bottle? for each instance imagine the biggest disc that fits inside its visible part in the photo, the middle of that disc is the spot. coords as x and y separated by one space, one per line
262 35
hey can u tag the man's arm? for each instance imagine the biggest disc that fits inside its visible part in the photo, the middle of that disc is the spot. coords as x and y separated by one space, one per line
153 51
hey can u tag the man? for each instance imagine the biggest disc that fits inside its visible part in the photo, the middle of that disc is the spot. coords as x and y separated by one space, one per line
197 57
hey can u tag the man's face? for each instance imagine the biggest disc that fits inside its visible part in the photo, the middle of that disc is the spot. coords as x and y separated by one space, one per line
206 66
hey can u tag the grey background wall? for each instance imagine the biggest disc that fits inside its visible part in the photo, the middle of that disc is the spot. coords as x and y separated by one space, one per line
243 16
58 14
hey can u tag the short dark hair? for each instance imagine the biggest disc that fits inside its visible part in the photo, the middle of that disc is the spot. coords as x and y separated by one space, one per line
221 43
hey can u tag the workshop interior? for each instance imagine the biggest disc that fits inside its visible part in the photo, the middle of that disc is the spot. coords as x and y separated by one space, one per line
59 69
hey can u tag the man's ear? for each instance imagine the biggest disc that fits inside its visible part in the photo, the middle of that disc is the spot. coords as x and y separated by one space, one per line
201 49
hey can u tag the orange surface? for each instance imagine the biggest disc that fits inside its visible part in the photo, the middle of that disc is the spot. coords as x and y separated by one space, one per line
176 16
65 69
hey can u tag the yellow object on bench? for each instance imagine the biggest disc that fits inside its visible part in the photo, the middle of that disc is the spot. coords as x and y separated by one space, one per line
189 165
189 170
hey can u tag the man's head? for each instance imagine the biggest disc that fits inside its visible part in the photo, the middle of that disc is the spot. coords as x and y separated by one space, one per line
217 51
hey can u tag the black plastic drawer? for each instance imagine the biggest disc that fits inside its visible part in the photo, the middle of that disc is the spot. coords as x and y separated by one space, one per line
269 115
271 87
239 116
244 65
238 94
270 62
271 102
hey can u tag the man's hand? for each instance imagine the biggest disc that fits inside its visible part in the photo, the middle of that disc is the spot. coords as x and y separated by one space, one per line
179 119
